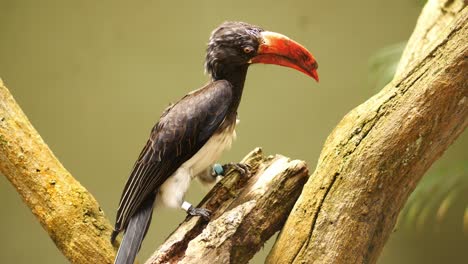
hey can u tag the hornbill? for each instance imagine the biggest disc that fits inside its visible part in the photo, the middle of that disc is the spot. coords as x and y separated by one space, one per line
191 134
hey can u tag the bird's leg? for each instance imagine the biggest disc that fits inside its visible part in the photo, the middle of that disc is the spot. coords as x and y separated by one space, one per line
195 211
222 170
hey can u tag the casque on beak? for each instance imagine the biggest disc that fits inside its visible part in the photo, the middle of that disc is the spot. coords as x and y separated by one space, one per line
278 49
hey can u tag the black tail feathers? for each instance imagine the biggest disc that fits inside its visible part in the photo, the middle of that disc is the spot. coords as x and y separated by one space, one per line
134 233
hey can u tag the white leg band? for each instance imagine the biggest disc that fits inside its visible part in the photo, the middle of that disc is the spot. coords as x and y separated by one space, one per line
186 206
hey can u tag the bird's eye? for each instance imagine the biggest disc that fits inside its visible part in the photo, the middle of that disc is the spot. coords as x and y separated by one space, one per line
248 49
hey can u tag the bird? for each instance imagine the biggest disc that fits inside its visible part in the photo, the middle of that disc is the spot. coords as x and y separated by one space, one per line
191 134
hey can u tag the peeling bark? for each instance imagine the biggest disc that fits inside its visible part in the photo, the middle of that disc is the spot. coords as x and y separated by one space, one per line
247 211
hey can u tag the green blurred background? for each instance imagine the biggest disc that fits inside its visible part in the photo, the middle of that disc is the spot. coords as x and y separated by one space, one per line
94 76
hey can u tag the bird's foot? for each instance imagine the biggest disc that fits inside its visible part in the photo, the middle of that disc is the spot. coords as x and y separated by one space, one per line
195 211
222 170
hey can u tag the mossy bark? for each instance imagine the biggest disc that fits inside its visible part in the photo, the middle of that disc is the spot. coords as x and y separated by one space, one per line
66 210
376 155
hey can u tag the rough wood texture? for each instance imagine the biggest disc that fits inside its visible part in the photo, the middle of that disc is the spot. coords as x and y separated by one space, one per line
430 29
66 210
377 154
246 212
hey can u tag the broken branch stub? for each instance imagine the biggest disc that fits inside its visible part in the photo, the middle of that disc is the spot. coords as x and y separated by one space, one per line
247 211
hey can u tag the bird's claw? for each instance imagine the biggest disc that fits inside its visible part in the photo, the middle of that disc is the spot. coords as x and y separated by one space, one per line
195 211
242 168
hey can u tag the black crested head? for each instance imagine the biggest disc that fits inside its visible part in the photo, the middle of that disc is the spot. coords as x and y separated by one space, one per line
231 45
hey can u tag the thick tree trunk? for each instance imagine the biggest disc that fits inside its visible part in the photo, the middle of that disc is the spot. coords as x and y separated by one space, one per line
376 155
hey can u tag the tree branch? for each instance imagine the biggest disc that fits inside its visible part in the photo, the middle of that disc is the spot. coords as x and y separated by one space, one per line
436 16
246 213
66 210
376 155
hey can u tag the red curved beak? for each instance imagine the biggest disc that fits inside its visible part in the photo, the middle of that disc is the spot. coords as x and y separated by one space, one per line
281 50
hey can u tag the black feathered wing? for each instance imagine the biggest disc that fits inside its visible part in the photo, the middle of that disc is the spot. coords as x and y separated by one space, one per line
181 131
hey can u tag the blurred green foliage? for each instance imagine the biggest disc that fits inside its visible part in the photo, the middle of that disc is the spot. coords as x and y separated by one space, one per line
383 64
435 197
